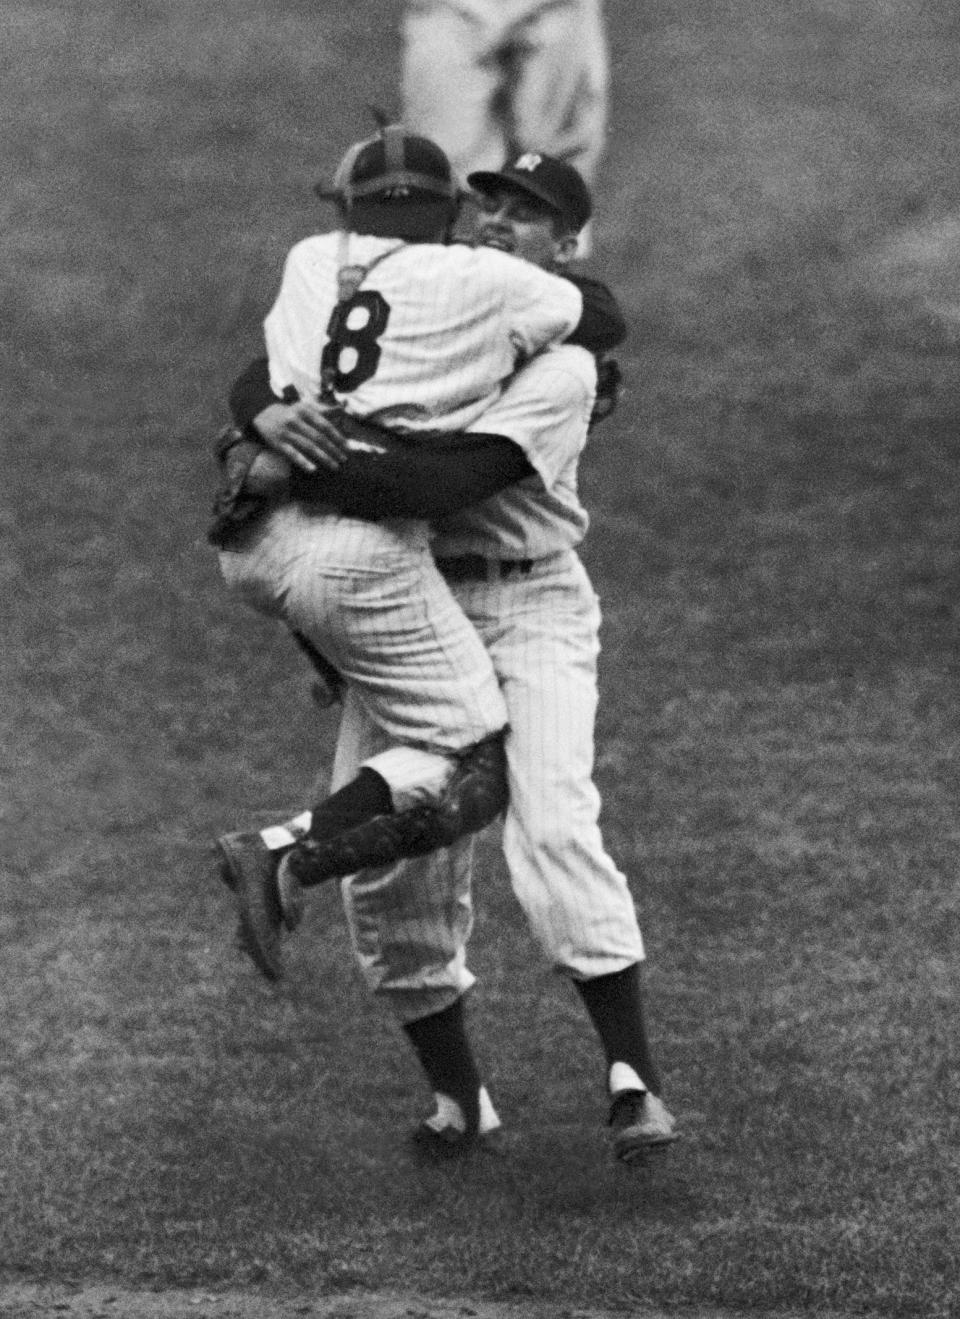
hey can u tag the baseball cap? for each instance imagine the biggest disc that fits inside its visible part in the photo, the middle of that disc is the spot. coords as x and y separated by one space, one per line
550 180
392 165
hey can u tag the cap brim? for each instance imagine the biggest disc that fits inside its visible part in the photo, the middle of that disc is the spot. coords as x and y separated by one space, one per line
495 181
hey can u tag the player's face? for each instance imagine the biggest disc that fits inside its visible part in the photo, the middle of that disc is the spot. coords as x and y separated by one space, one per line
522 226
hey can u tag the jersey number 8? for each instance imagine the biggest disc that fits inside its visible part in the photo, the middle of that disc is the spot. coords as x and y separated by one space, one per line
351 353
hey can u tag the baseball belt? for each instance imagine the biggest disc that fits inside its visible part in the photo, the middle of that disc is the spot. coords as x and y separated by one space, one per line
478 568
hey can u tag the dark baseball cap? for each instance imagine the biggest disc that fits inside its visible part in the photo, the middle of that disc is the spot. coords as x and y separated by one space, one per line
550 180
392 165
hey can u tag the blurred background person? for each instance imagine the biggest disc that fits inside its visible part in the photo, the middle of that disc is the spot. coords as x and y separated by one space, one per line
490 79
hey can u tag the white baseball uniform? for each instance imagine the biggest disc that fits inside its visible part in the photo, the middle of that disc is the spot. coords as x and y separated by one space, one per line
425 342
431 334
488 79
539 621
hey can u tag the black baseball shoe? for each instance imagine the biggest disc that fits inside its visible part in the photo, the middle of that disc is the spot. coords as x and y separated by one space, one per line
639 1124
441 1136
248 867
289 892
451 1143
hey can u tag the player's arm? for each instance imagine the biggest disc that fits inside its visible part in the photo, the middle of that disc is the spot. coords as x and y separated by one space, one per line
545 409
542 307
385 475
602 325
292 427
395 476
295 433
251 393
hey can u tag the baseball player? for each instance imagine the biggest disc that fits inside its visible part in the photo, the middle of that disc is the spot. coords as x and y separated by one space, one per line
512 563
383 319
490 79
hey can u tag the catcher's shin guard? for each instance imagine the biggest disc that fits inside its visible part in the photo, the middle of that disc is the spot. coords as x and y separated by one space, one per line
474 797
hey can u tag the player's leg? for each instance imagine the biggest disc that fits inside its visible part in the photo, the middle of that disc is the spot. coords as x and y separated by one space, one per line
354 829
391 626
370 598
409 926
450 80
577 901
372 602
379 817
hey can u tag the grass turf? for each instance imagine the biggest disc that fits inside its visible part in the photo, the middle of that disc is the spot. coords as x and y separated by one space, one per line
774 541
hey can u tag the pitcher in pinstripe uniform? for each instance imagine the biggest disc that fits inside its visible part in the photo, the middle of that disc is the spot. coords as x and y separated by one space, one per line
384 320
512 563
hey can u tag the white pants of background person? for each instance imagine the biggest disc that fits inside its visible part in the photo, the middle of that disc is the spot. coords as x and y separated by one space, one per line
488 79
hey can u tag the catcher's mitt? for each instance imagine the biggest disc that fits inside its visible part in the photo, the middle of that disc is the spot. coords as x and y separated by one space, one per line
609 389
235 508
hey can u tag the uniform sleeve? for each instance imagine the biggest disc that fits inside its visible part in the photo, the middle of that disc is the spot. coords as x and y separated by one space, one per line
283 327
602 326
250 393
546 409
393 476
407 479
543 308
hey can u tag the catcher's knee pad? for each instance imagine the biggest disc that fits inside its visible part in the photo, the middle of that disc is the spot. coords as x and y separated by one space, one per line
477 792
474 797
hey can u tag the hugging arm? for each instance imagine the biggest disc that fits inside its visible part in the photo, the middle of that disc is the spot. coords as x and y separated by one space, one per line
383 474
602 326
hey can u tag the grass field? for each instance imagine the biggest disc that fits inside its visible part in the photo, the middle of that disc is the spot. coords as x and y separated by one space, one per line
774 539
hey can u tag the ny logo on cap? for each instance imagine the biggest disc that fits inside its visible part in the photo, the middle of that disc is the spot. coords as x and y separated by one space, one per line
530 162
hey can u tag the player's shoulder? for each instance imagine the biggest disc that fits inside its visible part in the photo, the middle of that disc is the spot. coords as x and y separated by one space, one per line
308 252
434 256
337 245
456 255
313 243
500 267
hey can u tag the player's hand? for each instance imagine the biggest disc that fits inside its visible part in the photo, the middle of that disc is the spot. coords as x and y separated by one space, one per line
304 433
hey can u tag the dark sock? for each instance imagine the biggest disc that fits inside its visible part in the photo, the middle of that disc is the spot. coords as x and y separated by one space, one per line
441 1044
362 798
615 1005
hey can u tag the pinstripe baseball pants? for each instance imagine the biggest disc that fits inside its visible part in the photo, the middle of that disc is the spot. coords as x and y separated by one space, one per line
410 923
370 598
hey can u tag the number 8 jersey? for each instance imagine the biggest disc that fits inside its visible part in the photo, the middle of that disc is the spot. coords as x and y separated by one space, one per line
414 336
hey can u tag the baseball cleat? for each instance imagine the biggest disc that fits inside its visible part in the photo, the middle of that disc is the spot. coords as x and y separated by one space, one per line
444 1135
443 1142
232 851
640 1124
289 894
236 850
248 867
452 1143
